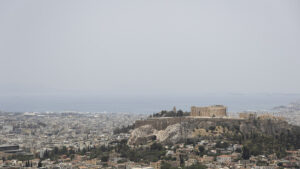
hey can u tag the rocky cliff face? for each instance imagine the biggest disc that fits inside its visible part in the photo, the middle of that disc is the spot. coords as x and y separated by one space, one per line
147 133
174 130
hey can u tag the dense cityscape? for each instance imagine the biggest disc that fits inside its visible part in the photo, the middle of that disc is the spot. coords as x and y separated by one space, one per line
132 141
135 84
30 135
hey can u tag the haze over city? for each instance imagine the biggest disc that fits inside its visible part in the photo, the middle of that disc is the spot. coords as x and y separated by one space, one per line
54 51
133 84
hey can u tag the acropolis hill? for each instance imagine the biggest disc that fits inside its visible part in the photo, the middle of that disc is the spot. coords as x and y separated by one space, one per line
199 122
211 113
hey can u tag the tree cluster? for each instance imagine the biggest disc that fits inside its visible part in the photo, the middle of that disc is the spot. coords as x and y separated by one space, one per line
124 129
165 113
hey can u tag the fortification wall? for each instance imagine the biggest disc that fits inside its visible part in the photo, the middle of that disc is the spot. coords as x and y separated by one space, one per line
164 122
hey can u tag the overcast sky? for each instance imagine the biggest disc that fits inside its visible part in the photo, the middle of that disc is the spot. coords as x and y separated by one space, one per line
118 47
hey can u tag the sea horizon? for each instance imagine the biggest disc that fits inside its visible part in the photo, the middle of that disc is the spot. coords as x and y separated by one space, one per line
143 104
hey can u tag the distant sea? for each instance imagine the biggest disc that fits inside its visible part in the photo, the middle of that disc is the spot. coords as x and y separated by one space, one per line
234 102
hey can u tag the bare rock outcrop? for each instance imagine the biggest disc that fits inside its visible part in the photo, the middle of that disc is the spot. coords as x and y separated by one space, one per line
170 134
174 130
141 135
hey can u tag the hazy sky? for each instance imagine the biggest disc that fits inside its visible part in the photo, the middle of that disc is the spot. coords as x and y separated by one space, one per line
154 47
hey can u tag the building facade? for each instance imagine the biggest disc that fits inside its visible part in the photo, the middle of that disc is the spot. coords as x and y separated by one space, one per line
210 111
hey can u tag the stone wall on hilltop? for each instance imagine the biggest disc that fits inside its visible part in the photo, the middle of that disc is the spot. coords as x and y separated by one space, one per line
163 122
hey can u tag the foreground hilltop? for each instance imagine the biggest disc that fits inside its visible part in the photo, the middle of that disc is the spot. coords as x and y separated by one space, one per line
204 123
178 129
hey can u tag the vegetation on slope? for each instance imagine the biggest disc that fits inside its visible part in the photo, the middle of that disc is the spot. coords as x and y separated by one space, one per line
165 113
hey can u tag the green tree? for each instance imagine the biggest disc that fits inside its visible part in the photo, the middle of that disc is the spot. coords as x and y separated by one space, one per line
72 156
246 153
104 158
196 166
212 128
156 146
40 164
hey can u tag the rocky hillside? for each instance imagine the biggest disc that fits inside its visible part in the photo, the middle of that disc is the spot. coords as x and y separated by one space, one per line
179 129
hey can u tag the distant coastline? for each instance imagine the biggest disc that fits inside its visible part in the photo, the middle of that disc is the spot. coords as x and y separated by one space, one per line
235 103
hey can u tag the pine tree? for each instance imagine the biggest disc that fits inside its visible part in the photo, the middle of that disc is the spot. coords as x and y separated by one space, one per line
246 153
40 164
